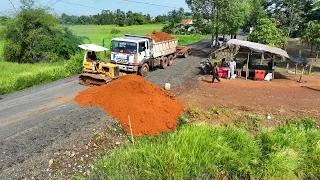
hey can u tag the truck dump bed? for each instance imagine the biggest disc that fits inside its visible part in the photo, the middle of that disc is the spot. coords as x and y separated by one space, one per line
164 48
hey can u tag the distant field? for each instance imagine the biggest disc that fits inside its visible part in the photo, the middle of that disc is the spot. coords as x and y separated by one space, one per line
96 33
105 29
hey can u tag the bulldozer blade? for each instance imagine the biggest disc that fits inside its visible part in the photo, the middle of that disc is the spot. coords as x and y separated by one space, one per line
89 79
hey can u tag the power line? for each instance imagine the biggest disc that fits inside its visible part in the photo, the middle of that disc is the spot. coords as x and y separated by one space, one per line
81 5
13 6
48 2
139 2
54 3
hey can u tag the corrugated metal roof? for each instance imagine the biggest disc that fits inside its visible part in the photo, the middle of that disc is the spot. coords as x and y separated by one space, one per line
186 22
258 47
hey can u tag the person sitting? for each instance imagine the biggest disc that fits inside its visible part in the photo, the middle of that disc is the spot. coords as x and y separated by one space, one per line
223 62
89 57
93 56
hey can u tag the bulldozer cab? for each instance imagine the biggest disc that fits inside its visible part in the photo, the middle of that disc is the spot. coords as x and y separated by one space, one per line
97 72
91 49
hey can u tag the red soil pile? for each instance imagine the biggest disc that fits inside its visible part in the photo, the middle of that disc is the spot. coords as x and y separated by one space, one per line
151 109
160 36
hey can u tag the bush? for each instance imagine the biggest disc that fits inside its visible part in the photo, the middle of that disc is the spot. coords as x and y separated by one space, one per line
115 31
204 152
266 32
35 35
168 28
74 64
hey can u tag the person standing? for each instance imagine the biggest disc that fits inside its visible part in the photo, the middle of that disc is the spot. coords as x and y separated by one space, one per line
232 68
215 73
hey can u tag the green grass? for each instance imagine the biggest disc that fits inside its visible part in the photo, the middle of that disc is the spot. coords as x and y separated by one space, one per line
105 29
15 77
206 152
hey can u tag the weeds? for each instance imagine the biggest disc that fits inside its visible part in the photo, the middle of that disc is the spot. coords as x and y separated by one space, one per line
200 152
194 111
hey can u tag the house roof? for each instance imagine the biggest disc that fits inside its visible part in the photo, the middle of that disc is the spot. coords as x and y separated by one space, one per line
186 21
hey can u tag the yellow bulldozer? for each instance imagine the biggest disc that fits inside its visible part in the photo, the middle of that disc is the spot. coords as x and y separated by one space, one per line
95 71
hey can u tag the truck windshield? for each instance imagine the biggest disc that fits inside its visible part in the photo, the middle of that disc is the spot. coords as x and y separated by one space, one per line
124 47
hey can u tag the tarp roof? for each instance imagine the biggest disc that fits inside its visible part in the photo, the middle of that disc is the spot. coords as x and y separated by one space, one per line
258 47
92 47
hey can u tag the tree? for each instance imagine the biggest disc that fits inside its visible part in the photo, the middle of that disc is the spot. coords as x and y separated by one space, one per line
206 13
160 19
226 16
257 12
290 14
176 16
27 4
34 35
266 32
233 15
120 18
312 35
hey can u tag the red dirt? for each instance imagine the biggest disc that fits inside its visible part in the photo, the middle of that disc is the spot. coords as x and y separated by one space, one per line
160 36
281 97
151 109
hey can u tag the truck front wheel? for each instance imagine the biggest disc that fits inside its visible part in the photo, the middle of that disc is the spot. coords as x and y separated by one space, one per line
144 70
164 63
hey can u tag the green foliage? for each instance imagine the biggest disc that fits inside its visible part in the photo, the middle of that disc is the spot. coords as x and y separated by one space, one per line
257 13
204 152
293 15
115 31
189 39
74 64
169 28
34 35
194 152
312 34
194 111
15 77
176 16
266 32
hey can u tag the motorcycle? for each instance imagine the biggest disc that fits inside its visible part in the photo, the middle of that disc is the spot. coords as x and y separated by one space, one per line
206 66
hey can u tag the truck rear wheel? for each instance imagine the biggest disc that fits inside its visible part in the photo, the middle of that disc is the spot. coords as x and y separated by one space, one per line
144 70
164 63
170 61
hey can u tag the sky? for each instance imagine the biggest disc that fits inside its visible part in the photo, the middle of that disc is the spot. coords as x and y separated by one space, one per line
69 6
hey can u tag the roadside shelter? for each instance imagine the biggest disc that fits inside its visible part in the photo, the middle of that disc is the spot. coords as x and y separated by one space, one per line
235 46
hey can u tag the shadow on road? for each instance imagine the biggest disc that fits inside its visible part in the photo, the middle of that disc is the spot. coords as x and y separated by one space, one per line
314 89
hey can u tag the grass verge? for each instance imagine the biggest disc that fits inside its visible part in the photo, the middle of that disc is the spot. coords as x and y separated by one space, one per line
213 152
15 76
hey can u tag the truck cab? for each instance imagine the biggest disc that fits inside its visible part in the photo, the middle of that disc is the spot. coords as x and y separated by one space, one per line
129 52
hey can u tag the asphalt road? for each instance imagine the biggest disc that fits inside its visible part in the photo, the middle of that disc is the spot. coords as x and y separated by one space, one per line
34 119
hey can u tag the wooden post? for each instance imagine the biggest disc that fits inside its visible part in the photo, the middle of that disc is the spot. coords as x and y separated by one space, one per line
296 69
262 58
301 74
273 68
310 67
247 71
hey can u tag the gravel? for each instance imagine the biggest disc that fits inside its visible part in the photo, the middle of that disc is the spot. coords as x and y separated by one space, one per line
36 123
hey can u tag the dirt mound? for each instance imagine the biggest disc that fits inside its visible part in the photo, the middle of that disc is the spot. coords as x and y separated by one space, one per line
150 108
160 36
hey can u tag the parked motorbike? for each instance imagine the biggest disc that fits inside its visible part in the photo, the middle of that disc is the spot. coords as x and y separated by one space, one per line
206 66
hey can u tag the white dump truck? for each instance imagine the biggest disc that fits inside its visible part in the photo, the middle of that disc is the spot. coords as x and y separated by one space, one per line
137 54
